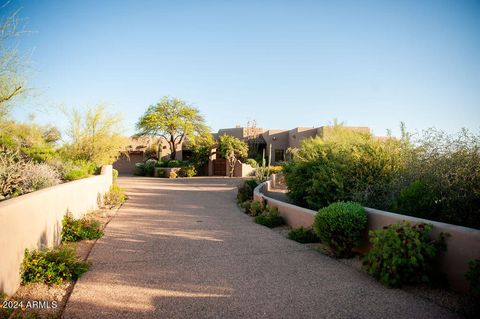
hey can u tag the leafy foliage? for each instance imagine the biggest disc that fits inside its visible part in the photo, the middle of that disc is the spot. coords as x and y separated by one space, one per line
473 276
251 162
174 120
77 169
114 176
232 149
139 169
95 136
403 254
340 225
187 171
149 167
303 235
175 163
114 197
53 266
80 229
270 218
256 208
245 192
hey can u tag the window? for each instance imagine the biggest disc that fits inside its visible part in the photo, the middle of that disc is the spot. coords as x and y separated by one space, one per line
279 155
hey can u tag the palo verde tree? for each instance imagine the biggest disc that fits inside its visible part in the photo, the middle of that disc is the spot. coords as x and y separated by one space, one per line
173 120
12 65
232 149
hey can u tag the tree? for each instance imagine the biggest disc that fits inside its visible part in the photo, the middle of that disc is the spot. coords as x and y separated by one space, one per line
12 82
96 136
232 149
174 120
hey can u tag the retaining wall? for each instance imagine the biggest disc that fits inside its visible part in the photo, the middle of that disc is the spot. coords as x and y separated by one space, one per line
34 220
462 245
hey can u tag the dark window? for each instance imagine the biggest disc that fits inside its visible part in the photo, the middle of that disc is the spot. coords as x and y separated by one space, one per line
279 155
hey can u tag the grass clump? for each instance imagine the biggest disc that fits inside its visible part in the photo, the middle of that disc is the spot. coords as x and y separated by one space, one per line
114 197
303 235
53 266
80 229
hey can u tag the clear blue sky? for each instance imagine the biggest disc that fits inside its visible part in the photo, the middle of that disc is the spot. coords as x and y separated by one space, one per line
283 63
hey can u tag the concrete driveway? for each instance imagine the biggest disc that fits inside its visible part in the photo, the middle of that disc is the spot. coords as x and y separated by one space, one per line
182 249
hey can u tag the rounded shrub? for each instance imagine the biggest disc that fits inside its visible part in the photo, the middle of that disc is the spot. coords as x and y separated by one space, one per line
270 218
139 169
340 226
187 171
251 162
403 254
175 163
150 167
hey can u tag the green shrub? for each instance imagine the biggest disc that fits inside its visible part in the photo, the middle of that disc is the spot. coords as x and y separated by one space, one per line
175 163
139 169
473 276
245 192
275 169
187 171
114 197
251 162
162 164
39 153
340 226
303 235
73 170
246 205
270 218
53 266
403 254
256 208
149 167
114 176
80 229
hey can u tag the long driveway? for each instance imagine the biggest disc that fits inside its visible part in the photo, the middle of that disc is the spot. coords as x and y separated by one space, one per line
182 249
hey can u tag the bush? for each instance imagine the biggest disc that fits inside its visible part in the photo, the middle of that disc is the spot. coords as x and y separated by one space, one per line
162 164
245 192
270 218
39 153
251 162
175 163
11 173
38 176
149 167
114 176
255 208
473 276
303 235
403 254
139 169
114 197
172 174
246 205
73 170
275 169
187 171
53 266
80 229
340 226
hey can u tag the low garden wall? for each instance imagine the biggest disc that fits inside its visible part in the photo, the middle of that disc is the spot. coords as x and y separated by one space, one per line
34 220
463 244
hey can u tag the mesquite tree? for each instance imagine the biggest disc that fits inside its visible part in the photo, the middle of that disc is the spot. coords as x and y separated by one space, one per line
174 120
232 149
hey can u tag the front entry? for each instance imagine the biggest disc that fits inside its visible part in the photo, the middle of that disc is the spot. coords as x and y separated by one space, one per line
220 167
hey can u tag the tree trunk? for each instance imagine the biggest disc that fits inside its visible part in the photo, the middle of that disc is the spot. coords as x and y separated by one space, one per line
173 148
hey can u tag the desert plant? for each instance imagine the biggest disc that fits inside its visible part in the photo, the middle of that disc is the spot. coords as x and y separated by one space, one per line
251 162
38 176
187 171
80 229
232 149
53 266
172 174
149 167
275 169
114 197
245 192
175 163
139 169
77 169
256 208
11 173
340 226
270 218
403 254
303 235
114 176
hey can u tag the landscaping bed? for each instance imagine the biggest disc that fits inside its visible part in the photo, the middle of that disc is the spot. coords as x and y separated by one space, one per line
55 295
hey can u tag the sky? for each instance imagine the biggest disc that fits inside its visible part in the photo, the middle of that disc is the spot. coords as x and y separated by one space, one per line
282 63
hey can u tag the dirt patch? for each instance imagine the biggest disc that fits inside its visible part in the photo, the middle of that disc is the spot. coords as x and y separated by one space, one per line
38 300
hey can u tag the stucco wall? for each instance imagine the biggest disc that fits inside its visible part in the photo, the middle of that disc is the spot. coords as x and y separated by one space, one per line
34 220
463 243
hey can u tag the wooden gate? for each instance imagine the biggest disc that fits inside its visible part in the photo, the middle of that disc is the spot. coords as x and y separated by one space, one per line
220 167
